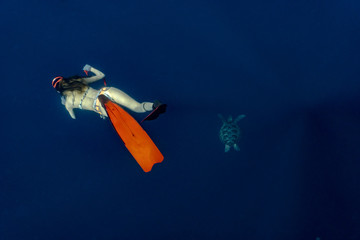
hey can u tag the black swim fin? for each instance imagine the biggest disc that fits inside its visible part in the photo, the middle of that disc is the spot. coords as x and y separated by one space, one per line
159 108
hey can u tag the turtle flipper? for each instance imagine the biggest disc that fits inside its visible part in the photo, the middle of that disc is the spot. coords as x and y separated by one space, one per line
239 118
236 147
221 117
227 148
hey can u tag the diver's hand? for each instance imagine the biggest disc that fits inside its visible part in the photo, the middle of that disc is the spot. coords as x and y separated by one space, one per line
87 68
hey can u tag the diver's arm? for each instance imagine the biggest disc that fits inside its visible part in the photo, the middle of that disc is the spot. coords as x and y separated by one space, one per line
70 110
98 74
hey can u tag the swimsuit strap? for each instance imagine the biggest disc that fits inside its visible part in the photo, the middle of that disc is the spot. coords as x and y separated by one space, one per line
83 97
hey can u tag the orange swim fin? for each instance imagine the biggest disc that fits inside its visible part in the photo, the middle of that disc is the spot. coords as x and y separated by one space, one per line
136 140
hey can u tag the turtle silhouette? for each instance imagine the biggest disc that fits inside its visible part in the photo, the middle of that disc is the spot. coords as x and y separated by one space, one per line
230 132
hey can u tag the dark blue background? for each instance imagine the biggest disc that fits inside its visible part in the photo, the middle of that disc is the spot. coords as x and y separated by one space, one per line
291 66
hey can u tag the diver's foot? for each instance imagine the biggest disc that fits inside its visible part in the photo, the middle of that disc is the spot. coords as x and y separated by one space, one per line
159 108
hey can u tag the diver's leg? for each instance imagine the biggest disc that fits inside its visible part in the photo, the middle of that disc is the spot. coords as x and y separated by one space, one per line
125 100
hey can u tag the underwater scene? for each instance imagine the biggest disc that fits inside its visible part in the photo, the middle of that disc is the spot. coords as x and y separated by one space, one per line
180 120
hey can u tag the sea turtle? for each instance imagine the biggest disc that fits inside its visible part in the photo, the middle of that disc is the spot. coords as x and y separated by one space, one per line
230 132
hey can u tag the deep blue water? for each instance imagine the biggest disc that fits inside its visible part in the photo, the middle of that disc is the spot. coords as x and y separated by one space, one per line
291 66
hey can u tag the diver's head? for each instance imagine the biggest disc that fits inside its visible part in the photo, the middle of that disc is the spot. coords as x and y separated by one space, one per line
56 82
64 84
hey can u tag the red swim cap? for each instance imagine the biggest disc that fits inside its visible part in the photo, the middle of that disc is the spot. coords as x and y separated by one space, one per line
55 81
